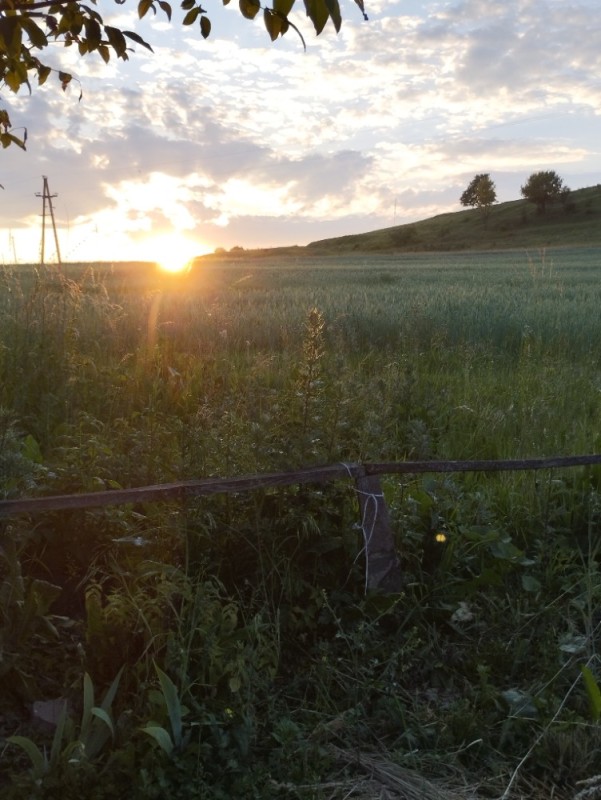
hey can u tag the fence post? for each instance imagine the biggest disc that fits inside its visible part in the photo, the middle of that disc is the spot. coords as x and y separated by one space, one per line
382 565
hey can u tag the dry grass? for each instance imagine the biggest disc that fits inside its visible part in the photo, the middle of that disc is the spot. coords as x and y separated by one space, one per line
375 777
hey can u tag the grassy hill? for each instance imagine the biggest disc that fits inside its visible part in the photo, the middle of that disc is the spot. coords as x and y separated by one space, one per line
513 224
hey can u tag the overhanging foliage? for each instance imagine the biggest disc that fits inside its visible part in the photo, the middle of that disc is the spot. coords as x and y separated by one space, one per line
27 27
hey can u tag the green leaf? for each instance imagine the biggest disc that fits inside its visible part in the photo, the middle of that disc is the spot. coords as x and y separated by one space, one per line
10 35
334 11
97 735
37 758
6 139
30 449
65 79
36 35
102 715
88 704
249 8
205 27
191 16
57 739
361 5
186 5
116 40
166 8
13 80
174 708
93 33
530 584
593 692
318 13
273 23
135 37
283 6
161 736
144 7
107 700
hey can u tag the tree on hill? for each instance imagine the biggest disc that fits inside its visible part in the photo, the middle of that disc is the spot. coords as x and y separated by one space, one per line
543 188
28 27
481 193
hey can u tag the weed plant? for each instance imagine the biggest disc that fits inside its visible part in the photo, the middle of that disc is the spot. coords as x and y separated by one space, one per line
247 653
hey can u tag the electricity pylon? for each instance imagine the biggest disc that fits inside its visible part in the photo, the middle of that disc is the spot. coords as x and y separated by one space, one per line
47 198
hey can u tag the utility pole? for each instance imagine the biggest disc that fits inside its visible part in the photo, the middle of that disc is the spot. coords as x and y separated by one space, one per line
47 198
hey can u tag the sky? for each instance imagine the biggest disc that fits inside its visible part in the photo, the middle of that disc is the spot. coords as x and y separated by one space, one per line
236 141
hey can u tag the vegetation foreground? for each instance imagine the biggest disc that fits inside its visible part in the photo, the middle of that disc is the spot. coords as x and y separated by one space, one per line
224 647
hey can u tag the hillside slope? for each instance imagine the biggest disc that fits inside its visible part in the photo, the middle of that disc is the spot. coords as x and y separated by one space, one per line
509 225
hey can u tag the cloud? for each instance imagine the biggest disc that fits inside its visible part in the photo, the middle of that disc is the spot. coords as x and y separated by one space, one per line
237 137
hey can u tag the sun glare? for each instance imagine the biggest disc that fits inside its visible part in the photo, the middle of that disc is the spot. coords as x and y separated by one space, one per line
172 253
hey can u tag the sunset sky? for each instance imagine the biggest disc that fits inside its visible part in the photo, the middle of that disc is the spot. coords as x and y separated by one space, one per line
237 141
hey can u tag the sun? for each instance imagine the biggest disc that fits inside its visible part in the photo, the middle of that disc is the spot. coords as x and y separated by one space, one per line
172 252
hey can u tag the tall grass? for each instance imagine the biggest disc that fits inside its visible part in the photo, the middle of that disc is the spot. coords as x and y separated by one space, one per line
252 605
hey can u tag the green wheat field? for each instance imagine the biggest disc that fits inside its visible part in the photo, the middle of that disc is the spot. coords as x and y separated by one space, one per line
224 647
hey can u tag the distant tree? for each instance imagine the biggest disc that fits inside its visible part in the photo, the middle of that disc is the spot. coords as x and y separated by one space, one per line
481 193
28 27
543 188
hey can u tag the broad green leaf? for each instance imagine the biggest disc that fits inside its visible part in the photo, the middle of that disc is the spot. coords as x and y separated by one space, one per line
186 5
334 11
57 739
161 736
593 692
249 8
97 735
273 23
166 8
37 758
30 449
283 6
116 40
65 78
318 13
205 27
36 35
43 72
174 708
93 33
10 35
6 139
191 16
101 714
13 80
107 700
144 7
530 584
